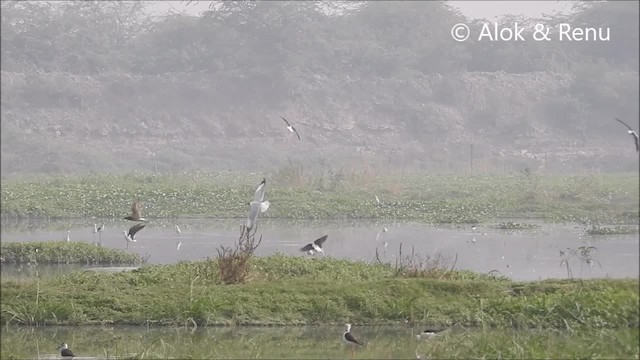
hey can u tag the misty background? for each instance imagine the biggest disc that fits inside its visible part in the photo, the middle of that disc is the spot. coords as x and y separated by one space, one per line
370 86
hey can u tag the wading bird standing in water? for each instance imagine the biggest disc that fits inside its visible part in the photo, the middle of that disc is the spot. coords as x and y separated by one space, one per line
258 205
136 212
349 339
630 131
129 236
65 351
68 236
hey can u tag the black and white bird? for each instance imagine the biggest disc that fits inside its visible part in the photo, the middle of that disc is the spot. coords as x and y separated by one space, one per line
429 333
65 351
101 228
136 212
130 235
315 247
349 339
258 205
291 128
631 132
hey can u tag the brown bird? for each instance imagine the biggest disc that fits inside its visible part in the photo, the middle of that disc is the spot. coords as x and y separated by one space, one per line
136 212
630 131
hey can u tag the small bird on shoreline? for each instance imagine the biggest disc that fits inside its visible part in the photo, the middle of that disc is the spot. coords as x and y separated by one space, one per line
136 212
65 351
291 128
315 247
631 132
349 339
429 333
129 235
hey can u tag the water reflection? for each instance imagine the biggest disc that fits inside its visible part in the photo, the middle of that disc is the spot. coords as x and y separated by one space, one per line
530 254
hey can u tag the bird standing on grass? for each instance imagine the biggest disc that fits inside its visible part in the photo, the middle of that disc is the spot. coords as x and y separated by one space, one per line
65 351
258 205
136 212
315 247
429 333
349 339
290 127
630 131
129 236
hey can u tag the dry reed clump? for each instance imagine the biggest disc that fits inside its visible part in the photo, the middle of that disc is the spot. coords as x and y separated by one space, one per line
416 266
233 261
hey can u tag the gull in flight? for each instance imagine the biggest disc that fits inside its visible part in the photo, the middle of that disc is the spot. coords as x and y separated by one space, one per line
630 131
258 205
290 127
349 339
315 247
136 212
129 235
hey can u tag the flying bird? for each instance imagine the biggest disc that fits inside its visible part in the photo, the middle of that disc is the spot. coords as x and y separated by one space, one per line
291 128
314 247
258 205
349 339
65 351
136 212
130 235
630 131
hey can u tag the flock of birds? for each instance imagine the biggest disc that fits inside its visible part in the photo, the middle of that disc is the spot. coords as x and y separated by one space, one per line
347 337
260 205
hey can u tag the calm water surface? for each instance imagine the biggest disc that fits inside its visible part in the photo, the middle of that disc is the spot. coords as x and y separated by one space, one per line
521 255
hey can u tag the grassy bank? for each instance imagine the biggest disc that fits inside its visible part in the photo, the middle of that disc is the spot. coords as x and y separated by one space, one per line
285 290
62 252
318 342
437 198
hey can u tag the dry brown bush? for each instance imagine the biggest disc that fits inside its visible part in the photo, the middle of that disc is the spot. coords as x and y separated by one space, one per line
233 261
